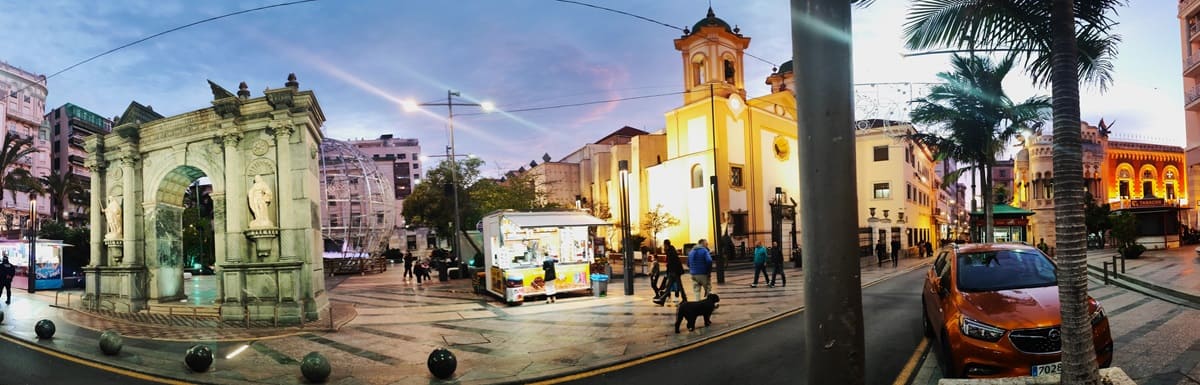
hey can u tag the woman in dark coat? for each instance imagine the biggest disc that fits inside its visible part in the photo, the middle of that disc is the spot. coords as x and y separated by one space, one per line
549 278
674 275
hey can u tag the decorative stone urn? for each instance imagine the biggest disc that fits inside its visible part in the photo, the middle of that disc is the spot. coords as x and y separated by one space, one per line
263 240
115 247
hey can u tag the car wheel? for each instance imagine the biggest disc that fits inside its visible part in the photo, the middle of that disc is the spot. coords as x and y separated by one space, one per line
947 363
925 320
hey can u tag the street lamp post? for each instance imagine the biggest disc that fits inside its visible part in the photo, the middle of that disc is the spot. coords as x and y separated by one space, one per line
721 247
623 167
451 155
31 271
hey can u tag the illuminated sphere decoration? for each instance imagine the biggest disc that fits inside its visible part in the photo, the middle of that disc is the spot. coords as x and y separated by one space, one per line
358 203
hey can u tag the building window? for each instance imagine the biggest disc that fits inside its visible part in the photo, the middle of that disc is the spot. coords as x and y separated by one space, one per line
1147 189
881 153
883 191
1170 190
400 156
735 176
1124 189
697 176
739 223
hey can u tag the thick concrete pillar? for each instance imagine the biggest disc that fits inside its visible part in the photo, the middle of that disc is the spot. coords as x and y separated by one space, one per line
96 235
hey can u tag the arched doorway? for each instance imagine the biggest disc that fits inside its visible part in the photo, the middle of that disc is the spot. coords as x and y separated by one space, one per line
168 254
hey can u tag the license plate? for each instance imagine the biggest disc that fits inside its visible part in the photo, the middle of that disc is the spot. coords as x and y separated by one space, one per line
1055 368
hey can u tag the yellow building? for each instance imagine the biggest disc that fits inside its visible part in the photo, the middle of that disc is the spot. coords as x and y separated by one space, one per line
748 145
897 185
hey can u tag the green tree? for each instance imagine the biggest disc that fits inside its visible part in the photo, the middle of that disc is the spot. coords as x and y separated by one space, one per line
972 118
60 188
1125 234
1096 217
657 220
1061 42
432 202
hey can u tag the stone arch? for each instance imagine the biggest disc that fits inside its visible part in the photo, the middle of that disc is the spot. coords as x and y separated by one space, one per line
699 64
164 232
1147 177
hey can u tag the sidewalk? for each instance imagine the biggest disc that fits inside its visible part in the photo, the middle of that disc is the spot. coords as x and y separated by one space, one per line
1168 274
398 323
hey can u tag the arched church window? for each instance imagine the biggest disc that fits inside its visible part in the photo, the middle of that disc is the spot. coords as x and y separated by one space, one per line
1147 174
730 71
1169 175
697 176
698 69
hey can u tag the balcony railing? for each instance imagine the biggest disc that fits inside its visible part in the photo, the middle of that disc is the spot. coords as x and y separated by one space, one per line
1191 94
1185 4
1190 62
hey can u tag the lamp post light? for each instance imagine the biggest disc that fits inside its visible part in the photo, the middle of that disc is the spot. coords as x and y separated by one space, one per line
623 167
31 271
451 155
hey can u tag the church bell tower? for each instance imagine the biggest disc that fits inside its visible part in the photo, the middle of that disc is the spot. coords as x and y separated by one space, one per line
712 59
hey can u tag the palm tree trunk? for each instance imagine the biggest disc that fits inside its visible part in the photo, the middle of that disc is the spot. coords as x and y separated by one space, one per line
1078 353
985 181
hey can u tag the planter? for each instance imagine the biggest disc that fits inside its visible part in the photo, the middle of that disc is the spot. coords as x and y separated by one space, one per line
1109 376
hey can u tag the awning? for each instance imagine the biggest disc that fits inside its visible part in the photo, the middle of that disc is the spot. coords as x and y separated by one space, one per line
554 219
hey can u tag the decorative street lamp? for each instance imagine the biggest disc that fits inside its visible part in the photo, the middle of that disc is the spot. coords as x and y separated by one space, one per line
623 167
451 155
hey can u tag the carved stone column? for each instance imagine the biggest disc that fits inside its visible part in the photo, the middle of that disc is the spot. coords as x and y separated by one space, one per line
129 208
235 209
218 225
283 188
96 236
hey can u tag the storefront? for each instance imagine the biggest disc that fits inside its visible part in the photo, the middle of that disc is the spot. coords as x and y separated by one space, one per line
1158 220
49 263
1009 224
516 243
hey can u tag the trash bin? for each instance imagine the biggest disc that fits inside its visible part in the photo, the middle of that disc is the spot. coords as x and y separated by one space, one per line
599 285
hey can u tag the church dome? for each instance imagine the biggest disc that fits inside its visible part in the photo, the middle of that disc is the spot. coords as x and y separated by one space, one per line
711 20
784 68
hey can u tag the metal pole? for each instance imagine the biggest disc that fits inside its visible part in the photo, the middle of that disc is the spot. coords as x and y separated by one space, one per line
717 241
453 175
31 271
626 233
824 99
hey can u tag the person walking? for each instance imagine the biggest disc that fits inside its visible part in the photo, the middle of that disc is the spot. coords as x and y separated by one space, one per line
408 265
777 261
760 263
699 266
674 273
549 278
7 272
880 252
895 251
928 249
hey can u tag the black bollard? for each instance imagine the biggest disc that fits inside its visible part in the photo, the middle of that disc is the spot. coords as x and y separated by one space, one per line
442 363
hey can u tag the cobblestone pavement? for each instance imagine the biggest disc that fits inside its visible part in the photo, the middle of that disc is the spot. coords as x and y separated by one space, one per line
398 323
1156 342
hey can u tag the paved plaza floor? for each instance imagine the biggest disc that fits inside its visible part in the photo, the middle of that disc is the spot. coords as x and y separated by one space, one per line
385 327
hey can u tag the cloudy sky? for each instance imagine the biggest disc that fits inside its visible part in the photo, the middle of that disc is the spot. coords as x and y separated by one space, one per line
362 58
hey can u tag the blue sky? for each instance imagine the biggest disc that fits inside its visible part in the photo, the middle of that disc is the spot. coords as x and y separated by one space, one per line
362 57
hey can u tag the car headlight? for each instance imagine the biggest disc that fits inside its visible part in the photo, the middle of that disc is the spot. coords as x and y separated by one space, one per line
979 330
1098 315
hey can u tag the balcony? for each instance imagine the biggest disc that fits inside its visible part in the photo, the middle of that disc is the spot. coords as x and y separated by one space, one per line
78 142
1187 7
1190 96
75 160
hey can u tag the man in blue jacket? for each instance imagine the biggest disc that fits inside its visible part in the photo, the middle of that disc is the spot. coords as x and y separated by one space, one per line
699 266
760 263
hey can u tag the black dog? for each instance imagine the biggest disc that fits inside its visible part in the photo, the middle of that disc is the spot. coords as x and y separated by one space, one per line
691 310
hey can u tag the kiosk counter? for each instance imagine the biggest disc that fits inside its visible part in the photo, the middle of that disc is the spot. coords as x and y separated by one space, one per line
516 243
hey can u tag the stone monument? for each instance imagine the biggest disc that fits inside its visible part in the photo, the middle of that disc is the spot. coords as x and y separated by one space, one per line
261 156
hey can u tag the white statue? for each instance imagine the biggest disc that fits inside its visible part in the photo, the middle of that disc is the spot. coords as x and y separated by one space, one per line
112 214
260 196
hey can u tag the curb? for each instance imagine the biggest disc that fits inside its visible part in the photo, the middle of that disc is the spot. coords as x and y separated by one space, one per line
1151 289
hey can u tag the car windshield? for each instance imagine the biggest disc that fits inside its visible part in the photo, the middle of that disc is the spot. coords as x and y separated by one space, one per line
1004 270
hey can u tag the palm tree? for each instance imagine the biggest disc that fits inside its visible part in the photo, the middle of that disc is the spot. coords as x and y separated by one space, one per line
974 118
60 188
14 151
1044 34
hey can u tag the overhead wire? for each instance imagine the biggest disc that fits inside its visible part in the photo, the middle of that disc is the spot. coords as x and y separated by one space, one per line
135 42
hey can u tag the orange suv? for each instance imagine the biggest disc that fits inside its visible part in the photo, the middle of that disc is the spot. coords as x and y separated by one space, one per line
994 311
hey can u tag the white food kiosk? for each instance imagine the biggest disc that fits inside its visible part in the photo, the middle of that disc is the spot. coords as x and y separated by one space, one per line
516 243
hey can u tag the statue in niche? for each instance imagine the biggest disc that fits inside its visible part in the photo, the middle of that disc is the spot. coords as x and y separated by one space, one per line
112 214
260 196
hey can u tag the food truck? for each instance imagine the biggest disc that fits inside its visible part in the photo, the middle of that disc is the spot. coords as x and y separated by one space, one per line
49 269
516 243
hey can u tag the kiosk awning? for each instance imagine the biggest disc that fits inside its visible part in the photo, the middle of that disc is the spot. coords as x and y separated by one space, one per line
554 219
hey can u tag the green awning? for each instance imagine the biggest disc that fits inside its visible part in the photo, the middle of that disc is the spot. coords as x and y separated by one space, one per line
1003 209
